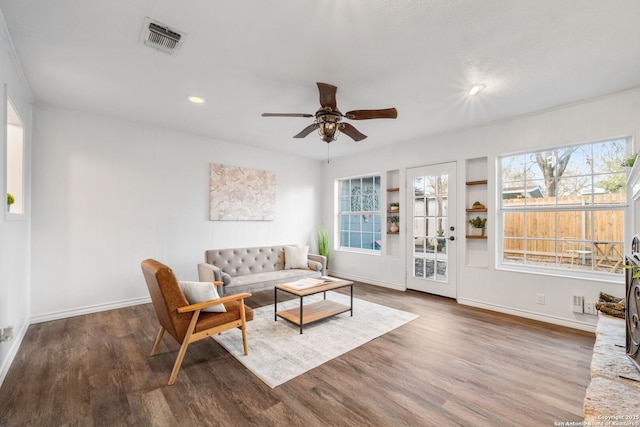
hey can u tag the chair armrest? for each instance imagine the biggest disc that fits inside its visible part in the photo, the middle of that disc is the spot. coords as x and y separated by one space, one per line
205 304
314 260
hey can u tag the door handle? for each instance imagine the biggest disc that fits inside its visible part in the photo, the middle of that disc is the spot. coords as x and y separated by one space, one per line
452 237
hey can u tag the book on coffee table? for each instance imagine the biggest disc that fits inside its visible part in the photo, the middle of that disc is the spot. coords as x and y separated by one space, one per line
305 283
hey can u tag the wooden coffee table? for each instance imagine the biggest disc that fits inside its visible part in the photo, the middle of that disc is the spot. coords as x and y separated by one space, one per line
309 313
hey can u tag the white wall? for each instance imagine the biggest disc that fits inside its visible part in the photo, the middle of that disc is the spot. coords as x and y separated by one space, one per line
14 230
108 194
505 291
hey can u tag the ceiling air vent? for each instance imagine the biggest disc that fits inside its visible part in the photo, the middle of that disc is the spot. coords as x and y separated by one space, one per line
161 37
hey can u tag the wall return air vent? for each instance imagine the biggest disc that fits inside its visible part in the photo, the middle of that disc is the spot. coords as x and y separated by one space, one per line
161 37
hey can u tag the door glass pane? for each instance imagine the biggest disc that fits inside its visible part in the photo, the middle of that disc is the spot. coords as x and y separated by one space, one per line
442 246
431 206
430 222
431 227
441 270
442 206
418 186
418 267
429 269
419 207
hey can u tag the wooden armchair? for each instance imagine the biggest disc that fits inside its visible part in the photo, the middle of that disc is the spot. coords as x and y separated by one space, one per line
186 322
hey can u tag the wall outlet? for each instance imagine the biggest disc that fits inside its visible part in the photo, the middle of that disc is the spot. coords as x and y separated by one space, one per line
6 334
540 299
590 308
578 304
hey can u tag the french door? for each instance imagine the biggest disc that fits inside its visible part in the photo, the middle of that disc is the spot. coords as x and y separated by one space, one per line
431 216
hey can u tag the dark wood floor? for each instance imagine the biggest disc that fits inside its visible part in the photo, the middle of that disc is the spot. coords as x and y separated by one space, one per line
455 365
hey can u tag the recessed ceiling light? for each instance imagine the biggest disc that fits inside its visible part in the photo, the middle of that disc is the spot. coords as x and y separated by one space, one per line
476 89
195 99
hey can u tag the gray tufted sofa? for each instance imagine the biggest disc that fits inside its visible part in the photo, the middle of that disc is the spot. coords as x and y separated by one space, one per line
254 269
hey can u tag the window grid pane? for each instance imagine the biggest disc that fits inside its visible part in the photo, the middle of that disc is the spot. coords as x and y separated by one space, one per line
565 207
360 218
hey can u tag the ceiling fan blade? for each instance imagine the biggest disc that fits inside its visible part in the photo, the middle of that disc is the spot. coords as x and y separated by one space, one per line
306 131
354 133
327 95
387 113
286 115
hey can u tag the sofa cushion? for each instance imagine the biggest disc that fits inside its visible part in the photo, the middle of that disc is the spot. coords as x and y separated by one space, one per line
296 257
196 292
261 281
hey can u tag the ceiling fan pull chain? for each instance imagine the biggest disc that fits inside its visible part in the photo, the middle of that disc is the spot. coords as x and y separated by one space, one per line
328 152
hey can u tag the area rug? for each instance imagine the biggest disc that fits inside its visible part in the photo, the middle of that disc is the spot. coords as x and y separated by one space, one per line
279 353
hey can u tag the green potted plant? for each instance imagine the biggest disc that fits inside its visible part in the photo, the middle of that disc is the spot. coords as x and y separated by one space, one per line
323 242
394 206
393 221
10 200
477 226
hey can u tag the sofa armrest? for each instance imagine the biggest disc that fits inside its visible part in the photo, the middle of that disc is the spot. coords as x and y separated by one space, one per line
317 263
209 273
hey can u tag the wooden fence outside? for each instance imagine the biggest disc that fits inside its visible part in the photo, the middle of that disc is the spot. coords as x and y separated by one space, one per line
577 232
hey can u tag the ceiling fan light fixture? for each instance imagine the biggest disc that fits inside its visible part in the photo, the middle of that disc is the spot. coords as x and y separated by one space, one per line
476 89
328 126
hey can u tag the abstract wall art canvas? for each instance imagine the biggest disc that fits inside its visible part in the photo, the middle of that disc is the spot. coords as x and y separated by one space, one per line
241 194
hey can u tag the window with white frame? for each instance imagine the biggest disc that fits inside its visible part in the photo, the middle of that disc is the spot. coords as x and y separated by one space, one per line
564 208
360 217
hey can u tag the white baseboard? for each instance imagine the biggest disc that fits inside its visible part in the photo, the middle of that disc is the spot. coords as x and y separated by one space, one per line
369 281
575 324
63 314
18 336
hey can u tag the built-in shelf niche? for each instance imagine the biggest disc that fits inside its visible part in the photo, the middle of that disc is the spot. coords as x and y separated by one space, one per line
476 186
14 178
393 196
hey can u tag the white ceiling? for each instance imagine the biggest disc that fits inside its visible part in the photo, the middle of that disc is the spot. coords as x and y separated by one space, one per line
246 57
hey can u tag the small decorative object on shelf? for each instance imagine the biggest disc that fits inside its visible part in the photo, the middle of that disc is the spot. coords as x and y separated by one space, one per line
394 206
477 206
393 220
10 200
477 226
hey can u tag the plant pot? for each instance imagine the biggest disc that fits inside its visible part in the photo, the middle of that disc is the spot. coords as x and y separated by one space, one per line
477 231
394 228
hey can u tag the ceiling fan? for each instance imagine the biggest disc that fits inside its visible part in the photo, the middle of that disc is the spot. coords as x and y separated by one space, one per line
329 119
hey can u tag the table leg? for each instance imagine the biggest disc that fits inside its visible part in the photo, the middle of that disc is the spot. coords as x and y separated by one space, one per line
351 287
301 322
275 304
